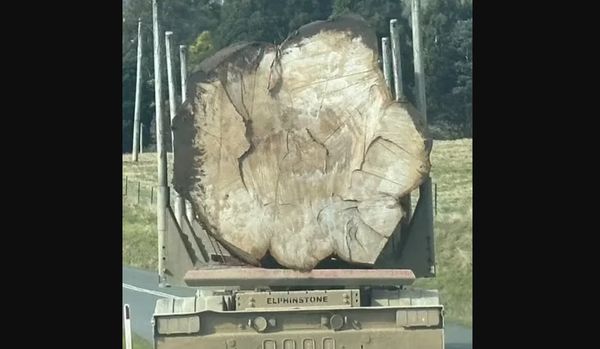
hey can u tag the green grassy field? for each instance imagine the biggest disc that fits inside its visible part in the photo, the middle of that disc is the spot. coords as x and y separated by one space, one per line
138 343
451 171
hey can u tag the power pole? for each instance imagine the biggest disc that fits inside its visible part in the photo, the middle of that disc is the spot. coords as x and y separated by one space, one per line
161 151
138 94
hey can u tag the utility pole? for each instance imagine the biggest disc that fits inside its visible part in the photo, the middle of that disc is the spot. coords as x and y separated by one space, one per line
138 94
161 151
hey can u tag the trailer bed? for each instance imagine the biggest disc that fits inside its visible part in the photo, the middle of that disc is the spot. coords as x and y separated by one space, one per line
252 276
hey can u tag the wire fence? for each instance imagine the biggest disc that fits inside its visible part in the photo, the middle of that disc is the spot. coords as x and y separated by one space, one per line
142 194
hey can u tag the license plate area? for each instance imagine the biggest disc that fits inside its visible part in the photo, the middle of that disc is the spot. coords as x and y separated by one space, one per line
297 299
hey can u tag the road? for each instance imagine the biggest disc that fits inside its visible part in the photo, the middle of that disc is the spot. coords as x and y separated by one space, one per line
140 291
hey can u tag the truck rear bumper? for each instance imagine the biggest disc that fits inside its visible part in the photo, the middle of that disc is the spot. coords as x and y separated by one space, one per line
377 327
316 339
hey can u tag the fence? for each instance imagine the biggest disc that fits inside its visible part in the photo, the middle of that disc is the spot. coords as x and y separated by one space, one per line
143 194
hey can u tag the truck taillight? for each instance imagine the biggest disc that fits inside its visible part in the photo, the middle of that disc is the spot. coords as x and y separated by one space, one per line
418 317
184 324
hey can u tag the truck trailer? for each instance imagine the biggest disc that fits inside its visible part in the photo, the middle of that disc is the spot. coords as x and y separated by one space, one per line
336 304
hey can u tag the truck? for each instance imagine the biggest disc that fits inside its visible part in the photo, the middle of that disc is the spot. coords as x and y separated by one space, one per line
334 305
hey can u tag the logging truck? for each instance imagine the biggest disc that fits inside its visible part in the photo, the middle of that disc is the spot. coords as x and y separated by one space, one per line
310 202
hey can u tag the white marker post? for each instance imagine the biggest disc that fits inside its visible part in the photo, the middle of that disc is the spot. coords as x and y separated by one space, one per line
127 323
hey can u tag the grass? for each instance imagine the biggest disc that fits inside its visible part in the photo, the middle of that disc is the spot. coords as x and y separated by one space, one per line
140 240
451 171
138 342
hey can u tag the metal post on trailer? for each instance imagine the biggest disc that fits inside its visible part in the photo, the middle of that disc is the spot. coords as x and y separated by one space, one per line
170 83
396 60
385 59
399 90
189 212
425 190
179 201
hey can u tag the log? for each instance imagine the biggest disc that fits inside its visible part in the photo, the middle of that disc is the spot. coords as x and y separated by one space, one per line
298 150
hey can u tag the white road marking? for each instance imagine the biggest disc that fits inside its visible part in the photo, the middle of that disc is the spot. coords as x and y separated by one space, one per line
143 290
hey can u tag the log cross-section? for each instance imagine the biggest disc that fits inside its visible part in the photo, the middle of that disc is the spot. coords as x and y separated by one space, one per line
298 150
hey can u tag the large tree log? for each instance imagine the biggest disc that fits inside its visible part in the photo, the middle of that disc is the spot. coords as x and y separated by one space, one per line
298 149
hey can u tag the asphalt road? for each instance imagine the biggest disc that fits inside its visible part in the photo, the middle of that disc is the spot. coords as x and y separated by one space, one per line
141 291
